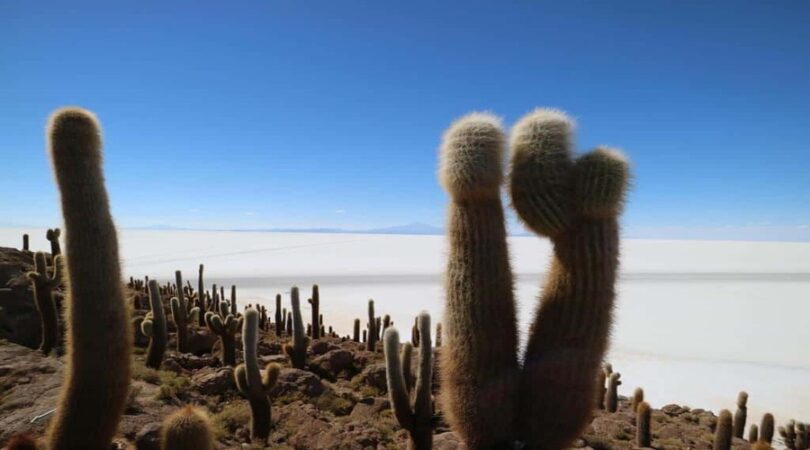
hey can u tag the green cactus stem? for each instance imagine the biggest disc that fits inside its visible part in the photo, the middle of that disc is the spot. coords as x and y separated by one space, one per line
297 351
153 326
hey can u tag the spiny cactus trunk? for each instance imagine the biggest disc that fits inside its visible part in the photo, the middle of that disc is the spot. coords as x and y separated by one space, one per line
479 361
158 336
315 301
234 310
250 382
43 286
643 419
97 375
371 343
201 296
297 351
722 434
279 318
740 415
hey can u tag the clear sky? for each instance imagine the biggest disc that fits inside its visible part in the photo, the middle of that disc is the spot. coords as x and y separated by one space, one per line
277 114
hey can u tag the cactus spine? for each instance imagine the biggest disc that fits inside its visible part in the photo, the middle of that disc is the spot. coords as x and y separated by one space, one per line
740 415
187 429
371 343
53 237
253 383
766 428
154 327
722 434
416 416
99 342
316 318
183 314
297 351
226 330
43 286
576 204
643 416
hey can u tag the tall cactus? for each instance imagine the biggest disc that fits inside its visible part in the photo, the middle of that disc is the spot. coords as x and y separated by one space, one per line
315 301
154 327
188 428
201 296
253 383
416 417
182 314
638 397
753 433
612 397
643 419
576 204
722 434
226 330
234 309
356 331
740 415
99 343
53 235
371 343
297 351
43 286
480 361
279 317
766 428
25 247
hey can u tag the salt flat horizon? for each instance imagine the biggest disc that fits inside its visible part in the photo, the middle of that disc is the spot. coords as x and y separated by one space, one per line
696 321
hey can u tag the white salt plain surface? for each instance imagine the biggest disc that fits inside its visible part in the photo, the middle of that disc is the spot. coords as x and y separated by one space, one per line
696 321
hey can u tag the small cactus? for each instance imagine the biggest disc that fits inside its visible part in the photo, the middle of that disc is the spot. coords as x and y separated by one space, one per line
740 415
153 326
43 286
53 237
416 417
722 434
316 317
753 433
253 383
371 343
612 398
643 420
297 351
183 314
766 428
187 429
226 330
638 397
25 247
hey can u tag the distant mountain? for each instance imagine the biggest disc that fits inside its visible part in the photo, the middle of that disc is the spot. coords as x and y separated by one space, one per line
411 228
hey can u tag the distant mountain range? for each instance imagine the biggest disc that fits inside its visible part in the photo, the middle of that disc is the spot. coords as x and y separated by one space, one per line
411 228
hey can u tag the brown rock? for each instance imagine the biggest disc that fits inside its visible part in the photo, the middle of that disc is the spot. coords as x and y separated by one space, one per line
210 381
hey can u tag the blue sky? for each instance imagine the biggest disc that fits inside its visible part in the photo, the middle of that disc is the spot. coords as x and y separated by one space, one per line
279 114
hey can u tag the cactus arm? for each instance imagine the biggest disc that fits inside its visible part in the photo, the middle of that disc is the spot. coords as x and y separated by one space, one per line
405 358
97 375
480 361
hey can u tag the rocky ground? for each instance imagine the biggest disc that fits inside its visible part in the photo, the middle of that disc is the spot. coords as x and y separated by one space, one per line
339 402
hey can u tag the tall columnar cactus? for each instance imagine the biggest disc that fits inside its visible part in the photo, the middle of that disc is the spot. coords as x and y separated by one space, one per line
643 419
53 235
201 296
289 323
612 398
234 310
766 428
154 327
279 317
188 428
601 390
25 247
740 415
371 343
43 286
253 383
183 314
753 433
638 397
413 415
576 204
356 333
226 330
297 351
722 434
386 322
315 301
99 343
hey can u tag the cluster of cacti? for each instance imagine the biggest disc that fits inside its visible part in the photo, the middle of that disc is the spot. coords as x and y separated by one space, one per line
546 401
184 313
723 430
99 343
43 287
643 423
153 326
226 329
795 435
253 383
740 415
297 351
411 403
187 429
